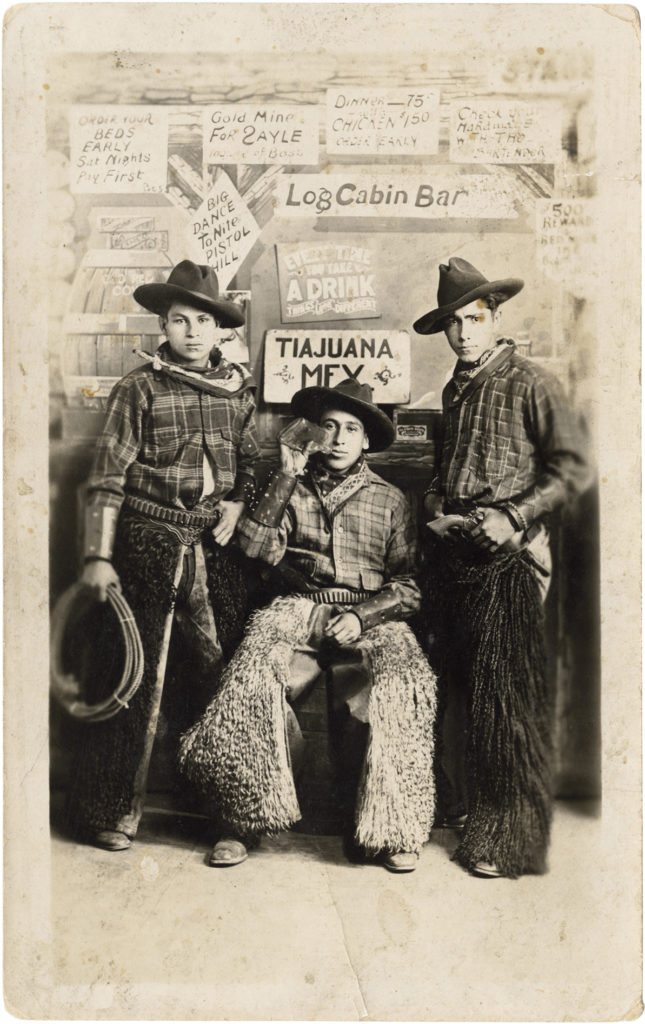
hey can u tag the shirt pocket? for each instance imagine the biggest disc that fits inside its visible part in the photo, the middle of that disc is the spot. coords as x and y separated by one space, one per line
371 579
164 445
492 457
221 446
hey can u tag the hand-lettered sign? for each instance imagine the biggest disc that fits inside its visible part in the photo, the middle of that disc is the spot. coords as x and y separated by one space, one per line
118 149
505 132
330 281
443 193
402 121
300 359
566 241
236 133
222 231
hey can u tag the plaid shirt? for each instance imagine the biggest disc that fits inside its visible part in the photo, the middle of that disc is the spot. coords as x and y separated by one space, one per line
359 537
508 436
158 430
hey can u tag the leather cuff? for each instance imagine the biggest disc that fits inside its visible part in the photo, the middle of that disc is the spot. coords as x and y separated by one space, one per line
376 610
515 516
270 508
243 489
100 530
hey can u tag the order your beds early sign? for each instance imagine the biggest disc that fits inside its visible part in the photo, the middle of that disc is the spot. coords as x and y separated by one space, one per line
301 359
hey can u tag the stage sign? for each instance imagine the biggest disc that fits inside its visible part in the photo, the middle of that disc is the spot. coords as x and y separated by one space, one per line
330 281
300 359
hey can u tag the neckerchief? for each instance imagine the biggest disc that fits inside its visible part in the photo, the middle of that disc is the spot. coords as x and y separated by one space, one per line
351 482
464 372
220 378
469 379
327 479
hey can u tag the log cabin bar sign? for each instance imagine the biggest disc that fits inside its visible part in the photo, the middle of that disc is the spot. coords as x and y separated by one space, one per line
307 358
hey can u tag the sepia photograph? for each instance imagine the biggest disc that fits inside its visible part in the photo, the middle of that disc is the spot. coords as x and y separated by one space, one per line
322 512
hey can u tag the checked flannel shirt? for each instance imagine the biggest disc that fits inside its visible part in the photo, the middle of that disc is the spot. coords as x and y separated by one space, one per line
359 537
509 440
157 434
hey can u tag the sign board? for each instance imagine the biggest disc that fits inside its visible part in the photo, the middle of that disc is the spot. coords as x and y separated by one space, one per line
300 359
330 281
244 133
441 193
118 149
382 121
222 231
505 132
566 240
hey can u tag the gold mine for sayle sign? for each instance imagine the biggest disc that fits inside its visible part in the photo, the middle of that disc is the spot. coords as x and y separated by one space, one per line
300 359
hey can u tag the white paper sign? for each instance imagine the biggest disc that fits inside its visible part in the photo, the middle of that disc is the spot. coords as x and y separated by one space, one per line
222 231
441 193
493 131
236 133
382 121
566 241
300 359
118 149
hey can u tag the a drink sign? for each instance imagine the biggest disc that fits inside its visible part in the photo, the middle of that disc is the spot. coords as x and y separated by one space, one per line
222 231
118 149
242 133
300 359
382 121
505 132
330 281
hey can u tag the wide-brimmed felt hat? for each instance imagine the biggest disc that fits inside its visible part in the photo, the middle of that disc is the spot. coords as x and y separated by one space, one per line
459 284
193 285
350 396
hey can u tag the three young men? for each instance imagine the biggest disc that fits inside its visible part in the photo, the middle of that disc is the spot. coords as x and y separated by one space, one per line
172 472
510 454
345 542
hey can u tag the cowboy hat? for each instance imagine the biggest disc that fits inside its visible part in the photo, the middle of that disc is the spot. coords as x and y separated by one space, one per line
193 285
350 396
459 284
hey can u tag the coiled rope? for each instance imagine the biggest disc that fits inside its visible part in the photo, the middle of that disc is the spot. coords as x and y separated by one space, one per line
65 687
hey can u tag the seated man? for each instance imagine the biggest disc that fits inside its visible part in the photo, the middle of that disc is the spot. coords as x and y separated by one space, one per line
346 542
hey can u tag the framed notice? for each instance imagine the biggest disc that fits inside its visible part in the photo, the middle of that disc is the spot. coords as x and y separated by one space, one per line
300 359
332 281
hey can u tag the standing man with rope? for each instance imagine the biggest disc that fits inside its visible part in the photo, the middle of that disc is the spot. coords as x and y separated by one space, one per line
510 454
173 470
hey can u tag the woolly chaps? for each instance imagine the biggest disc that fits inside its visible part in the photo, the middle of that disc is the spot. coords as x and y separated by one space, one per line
489 630
238 755
109 753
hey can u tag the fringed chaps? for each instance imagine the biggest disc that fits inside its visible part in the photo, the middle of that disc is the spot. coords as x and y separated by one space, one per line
493 610
106 763
238 755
